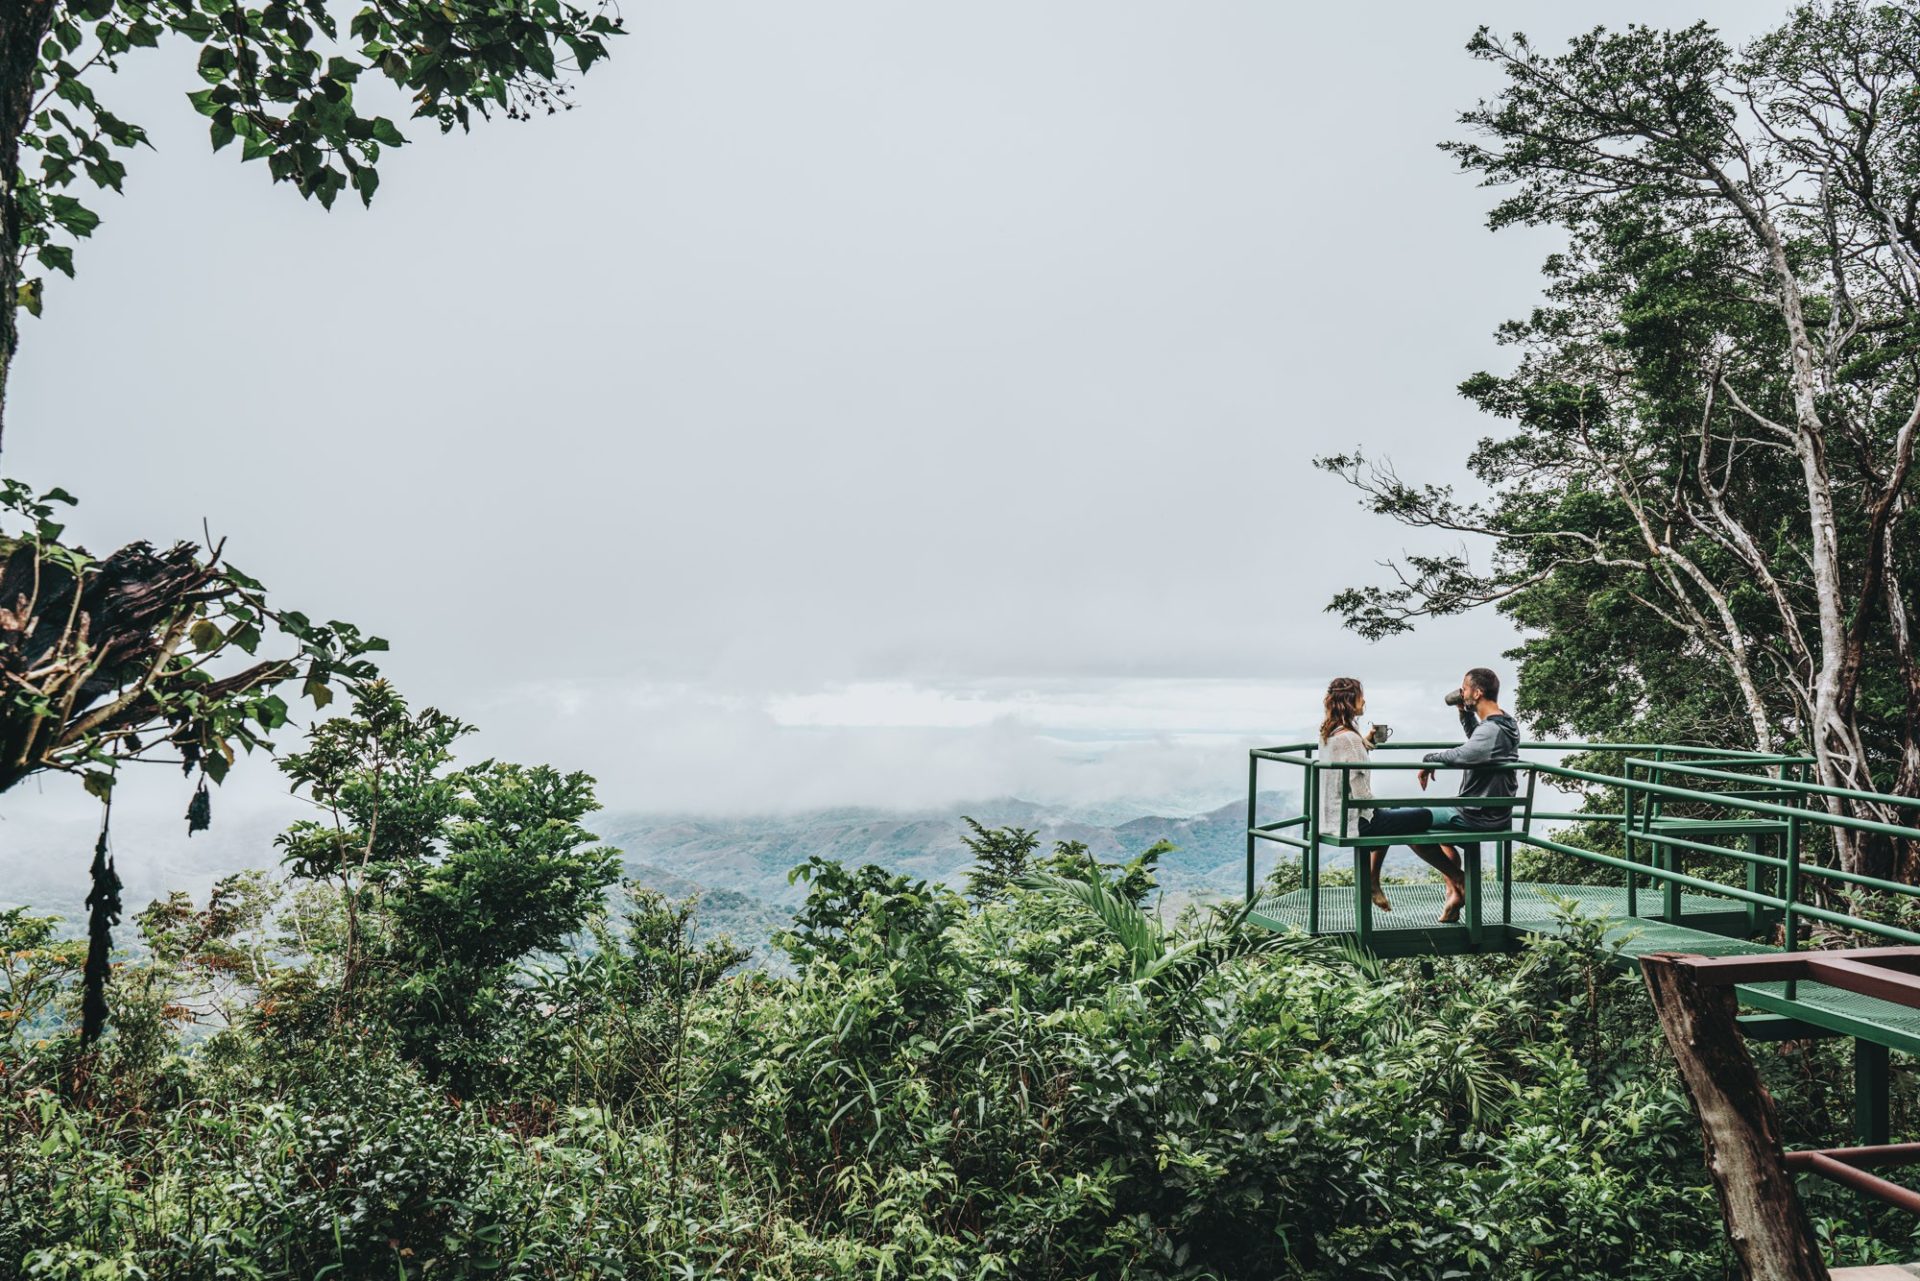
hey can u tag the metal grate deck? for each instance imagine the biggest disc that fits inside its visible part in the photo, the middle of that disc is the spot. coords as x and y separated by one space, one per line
1417 906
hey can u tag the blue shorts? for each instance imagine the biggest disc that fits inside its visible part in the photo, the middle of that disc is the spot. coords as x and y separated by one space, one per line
1417 819
1400 822
1450 820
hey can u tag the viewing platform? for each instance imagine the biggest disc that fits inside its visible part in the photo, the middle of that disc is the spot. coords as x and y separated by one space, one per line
1714 852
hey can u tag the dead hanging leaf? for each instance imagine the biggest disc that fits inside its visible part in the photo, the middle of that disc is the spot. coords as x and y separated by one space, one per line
199 811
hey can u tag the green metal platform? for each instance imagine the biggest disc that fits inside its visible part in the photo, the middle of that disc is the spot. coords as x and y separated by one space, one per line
1712 859
1412 927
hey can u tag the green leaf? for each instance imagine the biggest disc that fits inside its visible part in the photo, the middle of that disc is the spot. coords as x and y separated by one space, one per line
72 216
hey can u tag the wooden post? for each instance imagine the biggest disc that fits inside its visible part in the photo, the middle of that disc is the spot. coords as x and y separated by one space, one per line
1766 1224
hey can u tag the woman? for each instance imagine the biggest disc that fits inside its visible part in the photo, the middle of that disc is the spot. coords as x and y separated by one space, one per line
1342 743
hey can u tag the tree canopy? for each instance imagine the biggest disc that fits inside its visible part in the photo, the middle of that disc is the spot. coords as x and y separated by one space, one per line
141 657
1706 491
283 79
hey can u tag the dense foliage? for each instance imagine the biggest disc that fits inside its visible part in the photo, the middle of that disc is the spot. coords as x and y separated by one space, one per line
409 1059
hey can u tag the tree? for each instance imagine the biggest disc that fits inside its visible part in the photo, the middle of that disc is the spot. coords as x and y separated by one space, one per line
380 774
1001 856
111 662
625 1010
1708 487
278 77
115 661
450 877
1768 1228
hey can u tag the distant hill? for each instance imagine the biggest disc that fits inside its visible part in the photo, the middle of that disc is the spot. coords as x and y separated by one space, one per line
738 866
753 855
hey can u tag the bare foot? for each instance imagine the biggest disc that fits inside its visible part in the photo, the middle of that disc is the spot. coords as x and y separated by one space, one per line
1456 899
1380 899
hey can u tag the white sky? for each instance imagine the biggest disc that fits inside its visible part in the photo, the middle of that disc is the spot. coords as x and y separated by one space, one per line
848 403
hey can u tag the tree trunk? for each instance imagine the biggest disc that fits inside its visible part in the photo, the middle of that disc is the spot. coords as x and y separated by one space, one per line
23 28
1766 1224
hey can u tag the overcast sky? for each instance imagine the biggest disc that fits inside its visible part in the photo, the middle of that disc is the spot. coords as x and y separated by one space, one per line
847 403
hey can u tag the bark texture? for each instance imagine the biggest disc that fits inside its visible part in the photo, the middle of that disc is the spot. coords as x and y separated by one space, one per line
1766 1224
23 29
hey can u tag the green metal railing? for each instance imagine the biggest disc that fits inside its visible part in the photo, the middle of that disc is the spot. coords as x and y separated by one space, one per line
1773 809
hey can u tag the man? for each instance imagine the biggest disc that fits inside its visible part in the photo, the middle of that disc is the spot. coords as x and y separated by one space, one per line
1492 746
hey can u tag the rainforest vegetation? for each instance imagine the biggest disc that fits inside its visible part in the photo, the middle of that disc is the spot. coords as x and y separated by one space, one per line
439 1038
436 1047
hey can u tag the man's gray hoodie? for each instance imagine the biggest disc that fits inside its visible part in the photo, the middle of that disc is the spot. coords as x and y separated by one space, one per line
1494 741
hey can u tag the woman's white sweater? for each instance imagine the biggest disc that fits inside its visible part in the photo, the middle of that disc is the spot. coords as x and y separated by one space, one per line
1345 746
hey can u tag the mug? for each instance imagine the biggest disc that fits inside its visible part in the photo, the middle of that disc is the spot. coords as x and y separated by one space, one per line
1381 732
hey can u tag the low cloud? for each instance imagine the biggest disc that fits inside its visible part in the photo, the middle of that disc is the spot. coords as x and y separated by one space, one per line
1161 744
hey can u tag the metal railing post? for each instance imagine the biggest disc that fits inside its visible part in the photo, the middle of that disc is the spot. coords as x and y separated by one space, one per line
1475 928
1506 853
1656 776
1253 816
1310 869
1626 840
1362 900
1872 1101
1670 855
1789 911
